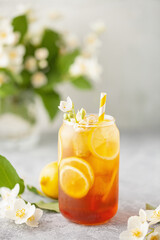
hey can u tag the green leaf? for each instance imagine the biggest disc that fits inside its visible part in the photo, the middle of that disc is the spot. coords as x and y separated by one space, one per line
51 206
35 190
149 207
50 41
30 49
65 61
53 79
51 101
12 76
9 176
81 82
8 89
26 78
20 24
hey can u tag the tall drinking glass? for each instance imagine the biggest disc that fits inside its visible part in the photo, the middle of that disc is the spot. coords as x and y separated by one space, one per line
88 170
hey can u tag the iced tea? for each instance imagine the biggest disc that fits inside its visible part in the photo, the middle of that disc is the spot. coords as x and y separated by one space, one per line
88 170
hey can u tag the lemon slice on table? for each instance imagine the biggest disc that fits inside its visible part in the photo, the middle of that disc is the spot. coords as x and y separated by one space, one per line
81 165
104 142
73 182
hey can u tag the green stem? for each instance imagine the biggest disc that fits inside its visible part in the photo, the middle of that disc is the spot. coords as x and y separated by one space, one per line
149 233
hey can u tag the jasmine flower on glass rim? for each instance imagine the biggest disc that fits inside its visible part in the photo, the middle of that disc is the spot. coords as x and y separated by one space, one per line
80 115
66 106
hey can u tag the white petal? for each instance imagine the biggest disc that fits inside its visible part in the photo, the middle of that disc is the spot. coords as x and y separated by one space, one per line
149 214
15 190
154 221
79 116
142 215
157 209
144 228
33 220
5 192
69 102
157 229
125 235
134 222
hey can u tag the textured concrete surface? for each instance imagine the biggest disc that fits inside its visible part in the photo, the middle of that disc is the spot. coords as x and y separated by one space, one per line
139 183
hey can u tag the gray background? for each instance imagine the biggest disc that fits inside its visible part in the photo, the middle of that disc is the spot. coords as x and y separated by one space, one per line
130 55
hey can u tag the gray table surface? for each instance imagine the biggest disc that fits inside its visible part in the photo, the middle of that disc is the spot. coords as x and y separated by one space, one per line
139 183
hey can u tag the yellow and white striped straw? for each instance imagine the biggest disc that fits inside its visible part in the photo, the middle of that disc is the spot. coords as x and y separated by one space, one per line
102 106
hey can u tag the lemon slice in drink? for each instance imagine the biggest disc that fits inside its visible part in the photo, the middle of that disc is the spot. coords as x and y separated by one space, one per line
104 142
74 182
81 165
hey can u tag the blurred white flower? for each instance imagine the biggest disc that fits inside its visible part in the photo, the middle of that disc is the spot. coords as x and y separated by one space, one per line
71 41
91 44
55 15
135 230
16 68
155 235
3 58
42 64
30 64
94 69
3 78
98 27
153 216
66 106
79 67
7 193
28 10
33 220
88 67
7 36
41 53
34 36
21 211
15 54
38 79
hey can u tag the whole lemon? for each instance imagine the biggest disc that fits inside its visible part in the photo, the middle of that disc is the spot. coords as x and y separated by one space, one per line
49 180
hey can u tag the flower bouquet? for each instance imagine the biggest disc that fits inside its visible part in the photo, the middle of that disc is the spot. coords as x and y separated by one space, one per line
34 63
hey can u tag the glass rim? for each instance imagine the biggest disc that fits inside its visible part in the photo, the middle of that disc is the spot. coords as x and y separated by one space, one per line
105 123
